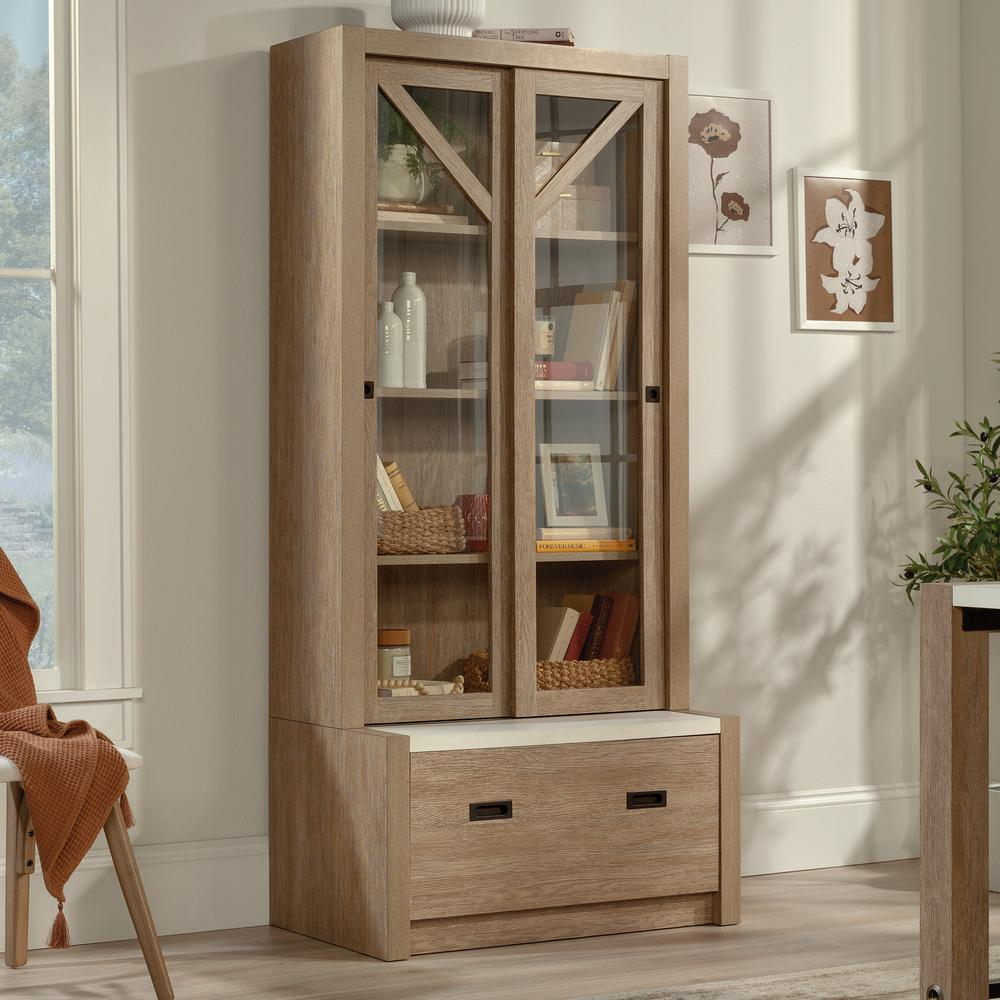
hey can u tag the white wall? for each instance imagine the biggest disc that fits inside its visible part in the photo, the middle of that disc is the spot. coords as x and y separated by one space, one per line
802 443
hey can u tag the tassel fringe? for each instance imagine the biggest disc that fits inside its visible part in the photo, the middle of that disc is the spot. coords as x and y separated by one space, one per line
59 935
127 812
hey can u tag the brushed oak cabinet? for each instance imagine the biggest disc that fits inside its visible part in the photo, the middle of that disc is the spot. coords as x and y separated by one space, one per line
480 730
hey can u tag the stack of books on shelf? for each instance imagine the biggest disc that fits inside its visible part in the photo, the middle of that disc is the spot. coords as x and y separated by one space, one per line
411 211
587 627
474 375
585 540
391 489
544 36
595 352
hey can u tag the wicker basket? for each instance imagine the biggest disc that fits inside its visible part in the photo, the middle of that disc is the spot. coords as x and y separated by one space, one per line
563 674
431 531
556 676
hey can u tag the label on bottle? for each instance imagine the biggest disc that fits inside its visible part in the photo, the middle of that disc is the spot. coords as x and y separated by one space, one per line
401 666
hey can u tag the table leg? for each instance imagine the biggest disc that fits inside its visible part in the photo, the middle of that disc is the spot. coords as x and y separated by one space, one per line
954 780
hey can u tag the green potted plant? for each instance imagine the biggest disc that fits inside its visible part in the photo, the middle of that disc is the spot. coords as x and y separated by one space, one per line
970 548
404 172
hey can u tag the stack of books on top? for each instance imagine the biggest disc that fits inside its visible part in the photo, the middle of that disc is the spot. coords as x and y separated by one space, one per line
585 540
595 353
391 489
474 375
587 627
545 36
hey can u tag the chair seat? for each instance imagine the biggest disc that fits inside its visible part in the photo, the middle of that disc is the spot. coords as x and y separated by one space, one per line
9 771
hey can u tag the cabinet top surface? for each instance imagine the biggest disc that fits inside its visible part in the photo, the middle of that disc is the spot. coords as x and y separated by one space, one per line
526 55
976 595
480 734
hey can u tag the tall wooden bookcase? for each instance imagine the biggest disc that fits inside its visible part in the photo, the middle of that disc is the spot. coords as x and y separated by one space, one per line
516 180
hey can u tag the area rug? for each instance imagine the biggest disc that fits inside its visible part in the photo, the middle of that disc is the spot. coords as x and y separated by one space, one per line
878 981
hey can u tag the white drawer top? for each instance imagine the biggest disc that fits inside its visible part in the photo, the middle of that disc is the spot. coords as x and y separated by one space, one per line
479 734
976 595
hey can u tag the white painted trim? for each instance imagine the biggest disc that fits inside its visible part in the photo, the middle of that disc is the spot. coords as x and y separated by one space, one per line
196 886
985 594
70 696
831 827
799 174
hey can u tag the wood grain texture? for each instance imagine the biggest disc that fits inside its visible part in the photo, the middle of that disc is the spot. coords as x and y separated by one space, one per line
127 870
314 618
442 48
954 819
571 839
726 906
589 85
339 812
489 930
523 563
675 379
20 866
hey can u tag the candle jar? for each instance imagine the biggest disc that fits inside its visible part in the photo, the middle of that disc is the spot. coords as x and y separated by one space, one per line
393 653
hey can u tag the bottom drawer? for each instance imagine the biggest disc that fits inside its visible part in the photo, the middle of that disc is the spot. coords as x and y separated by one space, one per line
562 825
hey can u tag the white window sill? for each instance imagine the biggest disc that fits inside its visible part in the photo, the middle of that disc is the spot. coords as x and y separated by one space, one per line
90 694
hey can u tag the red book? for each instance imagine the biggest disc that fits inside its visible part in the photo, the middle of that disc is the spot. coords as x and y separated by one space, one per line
564 371
622 623
575 647
601 611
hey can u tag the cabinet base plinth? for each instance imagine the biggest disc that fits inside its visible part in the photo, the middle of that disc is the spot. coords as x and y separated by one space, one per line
490 930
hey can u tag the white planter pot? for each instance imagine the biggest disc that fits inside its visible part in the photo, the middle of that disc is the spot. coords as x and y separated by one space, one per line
439 17
395 182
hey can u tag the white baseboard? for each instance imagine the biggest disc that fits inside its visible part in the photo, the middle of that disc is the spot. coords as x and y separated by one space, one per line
831 827
201 885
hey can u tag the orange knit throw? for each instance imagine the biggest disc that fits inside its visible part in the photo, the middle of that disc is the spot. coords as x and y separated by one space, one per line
72 775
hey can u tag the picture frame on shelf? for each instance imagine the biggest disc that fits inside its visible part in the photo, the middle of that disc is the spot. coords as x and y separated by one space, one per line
730 211
845 233
573 486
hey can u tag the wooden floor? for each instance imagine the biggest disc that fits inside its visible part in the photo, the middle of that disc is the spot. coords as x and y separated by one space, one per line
805 920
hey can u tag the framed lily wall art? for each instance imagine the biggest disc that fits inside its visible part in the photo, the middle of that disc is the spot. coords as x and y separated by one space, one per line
845 243
729 173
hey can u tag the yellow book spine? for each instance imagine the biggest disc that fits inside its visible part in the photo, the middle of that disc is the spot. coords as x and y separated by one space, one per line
587 545
403 491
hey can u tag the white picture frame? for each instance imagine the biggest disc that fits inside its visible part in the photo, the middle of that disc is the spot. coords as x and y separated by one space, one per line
727 100
590 508
805 219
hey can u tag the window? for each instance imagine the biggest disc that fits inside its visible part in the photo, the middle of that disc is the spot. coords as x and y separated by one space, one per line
27 291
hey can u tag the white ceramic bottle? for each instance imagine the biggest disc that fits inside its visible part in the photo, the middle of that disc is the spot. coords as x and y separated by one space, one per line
411 307
389 330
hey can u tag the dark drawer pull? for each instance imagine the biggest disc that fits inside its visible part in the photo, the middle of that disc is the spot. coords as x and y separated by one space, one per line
491 810
646 800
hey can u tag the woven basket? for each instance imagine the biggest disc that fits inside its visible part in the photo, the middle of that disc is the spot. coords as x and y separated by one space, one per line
556 676
431 531
564 674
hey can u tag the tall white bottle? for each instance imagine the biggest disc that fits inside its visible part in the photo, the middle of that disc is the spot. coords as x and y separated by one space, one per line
389 331
411 307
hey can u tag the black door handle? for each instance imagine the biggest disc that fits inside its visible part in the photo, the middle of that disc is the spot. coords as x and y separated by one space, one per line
503 809
646 800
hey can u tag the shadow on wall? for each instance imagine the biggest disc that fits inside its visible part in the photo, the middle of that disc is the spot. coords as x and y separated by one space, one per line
793 611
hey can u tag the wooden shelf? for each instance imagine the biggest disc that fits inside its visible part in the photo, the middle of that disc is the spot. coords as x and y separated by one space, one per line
430 393
591 396
586 556
588 236
443 559
434 708
430 228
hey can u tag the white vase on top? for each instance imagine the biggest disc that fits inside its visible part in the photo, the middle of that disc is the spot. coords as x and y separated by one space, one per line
439 17
389 331
410 306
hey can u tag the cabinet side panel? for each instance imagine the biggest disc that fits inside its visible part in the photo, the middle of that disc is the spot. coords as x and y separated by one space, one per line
676 557
305 579
726 906
339 836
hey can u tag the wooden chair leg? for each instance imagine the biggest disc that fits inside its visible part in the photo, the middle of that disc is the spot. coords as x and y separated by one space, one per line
135 898
20 858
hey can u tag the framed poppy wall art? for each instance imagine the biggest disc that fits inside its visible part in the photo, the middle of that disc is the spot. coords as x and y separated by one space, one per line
845 246
729 173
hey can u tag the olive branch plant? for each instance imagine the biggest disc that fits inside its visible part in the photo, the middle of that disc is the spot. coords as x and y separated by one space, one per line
970 548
